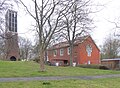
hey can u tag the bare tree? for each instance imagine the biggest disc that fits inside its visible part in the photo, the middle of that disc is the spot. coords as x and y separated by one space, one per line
76 21
111 47
25 46
47 15
3 7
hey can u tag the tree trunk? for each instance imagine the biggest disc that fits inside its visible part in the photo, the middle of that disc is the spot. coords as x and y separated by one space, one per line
42 65
71 55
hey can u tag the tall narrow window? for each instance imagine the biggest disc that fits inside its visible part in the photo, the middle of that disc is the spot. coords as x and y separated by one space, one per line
55 52
89 50
61 52
68 50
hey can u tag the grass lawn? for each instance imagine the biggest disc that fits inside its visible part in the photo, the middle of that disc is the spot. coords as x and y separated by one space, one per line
29 69
98 83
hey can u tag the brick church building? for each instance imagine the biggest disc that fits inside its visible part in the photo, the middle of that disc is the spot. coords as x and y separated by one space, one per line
11 36
85 51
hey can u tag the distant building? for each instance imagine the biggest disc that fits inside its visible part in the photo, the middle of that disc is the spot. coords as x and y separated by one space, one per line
85 51
111 63
11 36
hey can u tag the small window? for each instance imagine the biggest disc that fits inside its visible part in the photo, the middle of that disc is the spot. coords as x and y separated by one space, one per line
55 52
89 62
61 52
89 50
68 50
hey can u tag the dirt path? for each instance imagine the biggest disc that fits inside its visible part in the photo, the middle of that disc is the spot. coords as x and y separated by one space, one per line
56 78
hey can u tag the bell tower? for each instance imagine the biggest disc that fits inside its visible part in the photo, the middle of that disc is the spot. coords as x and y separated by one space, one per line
11 36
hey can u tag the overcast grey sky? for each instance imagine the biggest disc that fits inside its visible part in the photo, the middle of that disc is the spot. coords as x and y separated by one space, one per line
110 12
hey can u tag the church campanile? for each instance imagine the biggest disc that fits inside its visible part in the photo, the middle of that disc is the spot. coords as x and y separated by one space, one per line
11 36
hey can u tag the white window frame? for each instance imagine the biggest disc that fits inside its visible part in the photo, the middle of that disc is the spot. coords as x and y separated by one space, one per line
61 52
55 53
68 50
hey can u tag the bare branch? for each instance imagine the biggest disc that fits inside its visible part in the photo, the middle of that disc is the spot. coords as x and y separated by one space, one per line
27 9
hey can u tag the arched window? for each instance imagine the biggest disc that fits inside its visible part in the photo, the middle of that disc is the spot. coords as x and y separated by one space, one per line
89 50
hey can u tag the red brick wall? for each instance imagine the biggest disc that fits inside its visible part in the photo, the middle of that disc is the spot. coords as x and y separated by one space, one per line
64 57
95 55
11 45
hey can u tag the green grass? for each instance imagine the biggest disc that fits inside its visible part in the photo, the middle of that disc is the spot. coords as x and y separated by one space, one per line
30 69
98 83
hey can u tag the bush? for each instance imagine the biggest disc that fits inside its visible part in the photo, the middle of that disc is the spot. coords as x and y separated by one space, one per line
89 66
103 67
94 66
